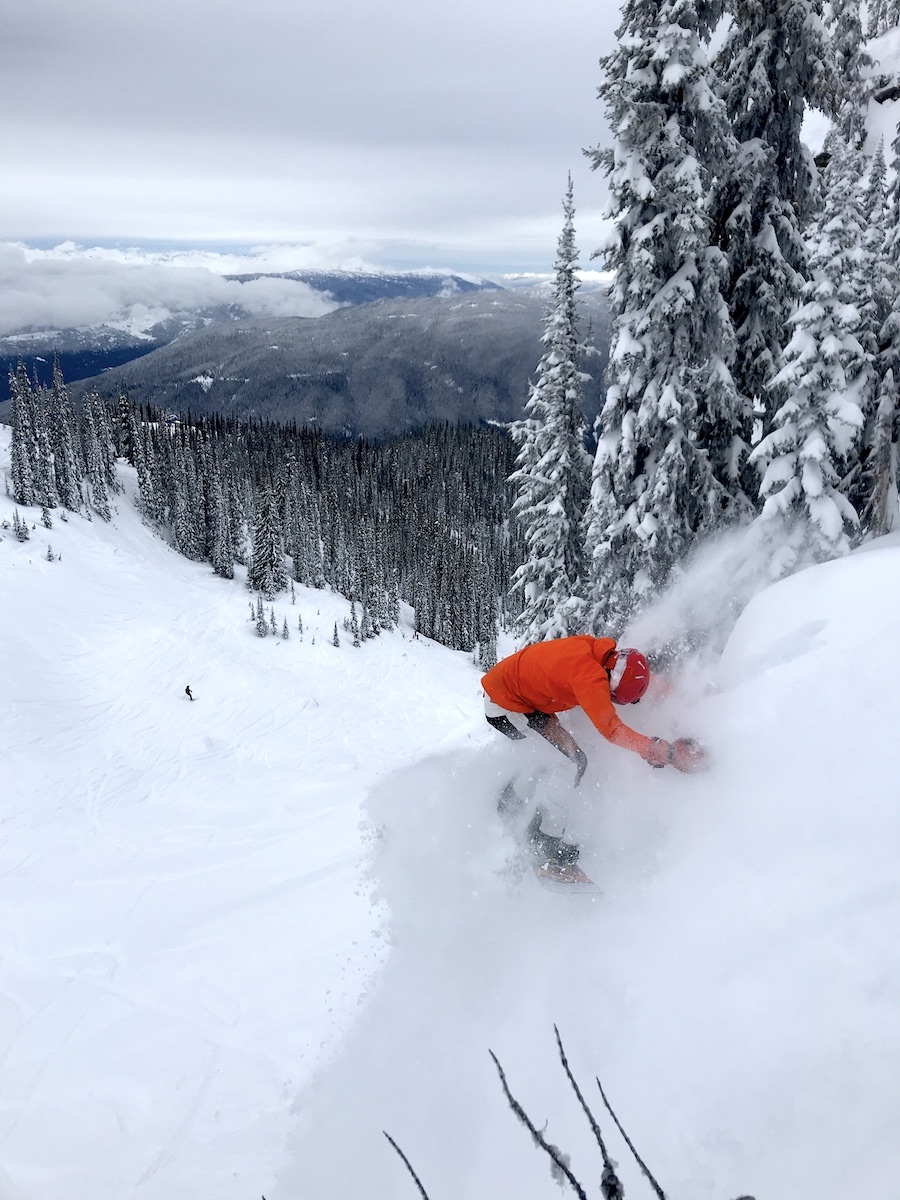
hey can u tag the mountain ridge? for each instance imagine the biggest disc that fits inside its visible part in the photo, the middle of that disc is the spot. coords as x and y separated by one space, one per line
374 370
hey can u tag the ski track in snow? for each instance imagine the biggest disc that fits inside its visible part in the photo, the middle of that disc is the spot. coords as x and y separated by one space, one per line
241 937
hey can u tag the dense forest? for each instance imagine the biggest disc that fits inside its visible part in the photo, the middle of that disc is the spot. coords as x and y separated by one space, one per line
422 518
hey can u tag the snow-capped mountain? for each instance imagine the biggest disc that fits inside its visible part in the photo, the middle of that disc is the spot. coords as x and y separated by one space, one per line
143 313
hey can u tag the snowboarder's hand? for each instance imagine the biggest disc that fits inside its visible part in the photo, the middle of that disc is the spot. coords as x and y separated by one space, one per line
580 765
689 756
660 753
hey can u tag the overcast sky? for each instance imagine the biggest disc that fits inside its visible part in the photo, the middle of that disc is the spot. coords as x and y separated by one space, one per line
399 133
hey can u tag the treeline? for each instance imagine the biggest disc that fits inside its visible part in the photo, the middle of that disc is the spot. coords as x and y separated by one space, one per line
422 518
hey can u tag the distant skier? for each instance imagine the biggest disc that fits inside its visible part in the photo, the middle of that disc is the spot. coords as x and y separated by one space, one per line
188 692
527 690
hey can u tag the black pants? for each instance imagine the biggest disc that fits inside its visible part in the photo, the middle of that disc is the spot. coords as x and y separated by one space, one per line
537 721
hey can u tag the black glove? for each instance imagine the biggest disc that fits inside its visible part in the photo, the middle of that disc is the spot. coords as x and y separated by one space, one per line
580 766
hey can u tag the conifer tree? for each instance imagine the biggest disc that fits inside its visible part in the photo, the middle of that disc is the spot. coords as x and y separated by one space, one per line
20 527
874 493
880 513
23 451
222 550
92 435
673 432
852 64
262 625
267 572
828 377
553 468
63 436
776 62
46 493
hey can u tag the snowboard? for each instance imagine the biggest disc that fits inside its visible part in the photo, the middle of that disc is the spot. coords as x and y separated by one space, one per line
514 805
569 878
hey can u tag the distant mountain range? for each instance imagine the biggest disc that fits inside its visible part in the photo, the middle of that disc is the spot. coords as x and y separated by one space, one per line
447 348
362 287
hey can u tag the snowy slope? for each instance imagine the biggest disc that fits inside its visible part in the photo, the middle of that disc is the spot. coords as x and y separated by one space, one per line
218 983
737 987
185 926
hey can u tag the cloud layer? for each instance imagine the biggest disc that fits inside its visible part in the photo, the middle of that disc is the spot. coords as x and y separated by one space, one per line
68 288
449 127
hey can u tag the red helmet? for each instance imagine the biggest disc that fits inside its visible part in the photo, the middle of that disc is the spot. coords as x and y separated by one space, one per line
629 677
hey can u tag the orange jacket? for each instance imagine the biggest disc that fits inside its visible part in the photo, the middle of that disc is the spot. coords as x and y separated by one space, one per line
558 675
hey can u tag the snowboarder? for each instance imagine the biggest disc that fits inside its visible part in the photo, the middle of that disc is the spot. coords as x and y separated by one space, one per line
188 692
527 690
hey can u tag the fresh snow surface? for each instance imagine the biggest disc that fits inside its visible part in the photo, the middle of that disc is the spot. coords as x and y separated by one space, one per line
241 937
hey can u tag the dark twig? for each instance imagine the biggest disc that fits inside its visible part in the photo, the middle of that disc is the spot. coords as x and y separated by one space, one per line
560 1166
408 1165
610 1184
640 1162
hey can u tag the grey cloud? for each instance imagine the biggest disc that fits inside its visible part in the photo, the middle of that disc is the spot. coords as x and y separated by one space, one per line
70 291
278 120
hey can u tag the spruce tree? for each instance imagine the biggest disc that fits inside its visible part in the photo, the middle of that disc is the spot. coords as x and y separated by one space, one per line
63 433
267 573
553 468
828 379
880 512
852 64
673 432
775 63
23 450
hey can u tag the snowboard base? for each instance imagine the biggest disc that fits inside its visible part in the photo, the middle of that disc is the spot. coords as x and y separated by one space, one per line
569 878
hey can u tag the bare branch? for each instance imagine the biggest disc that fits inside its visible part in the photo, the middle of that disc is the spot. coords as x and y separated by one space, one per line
408 1165
610 1184
640 1162
560 1165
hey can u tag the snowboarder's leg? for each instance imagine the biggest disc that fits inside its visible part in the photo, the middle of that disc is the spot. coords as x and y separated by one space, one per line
545 837
509 802
550 729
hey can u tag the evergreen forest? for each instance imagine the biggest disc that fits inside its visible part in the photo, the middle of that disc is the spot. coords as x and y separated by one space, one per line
422 518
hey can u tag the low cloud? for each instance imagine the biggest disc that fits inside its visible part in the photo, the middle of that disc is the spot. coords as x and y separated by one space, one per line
70 287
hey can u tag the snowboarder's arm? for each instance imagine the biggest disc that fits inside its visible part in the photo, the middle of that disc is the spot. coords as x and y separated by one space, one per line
592 692
591 688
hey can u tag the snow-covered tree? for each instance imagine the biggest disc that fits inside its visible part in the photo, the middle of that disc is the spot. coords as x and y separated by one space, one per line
63 441
222 549
267 573
552 474
673 432
852 63
776 62
23 451
828 380
880 511
882 16
872 486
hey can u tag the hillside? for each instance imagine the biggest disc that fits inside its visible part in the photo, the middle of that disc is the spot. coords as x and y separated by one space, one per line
242 936
373 370
54 311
